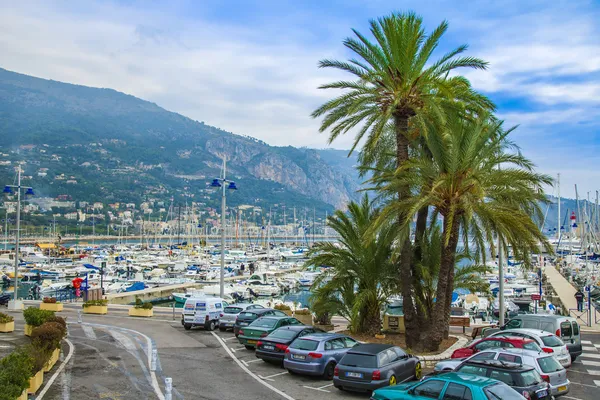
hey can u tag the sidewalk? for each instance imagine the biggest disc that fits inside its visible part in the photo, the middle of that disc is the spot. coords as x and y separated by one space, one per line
562 287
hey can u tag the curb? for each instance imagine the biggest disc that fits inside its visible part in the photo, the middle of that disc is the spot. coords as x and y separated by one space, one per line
460 342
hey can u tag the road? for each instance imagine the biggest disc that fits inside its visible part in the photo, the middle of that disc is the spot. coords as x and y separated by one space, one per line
111 358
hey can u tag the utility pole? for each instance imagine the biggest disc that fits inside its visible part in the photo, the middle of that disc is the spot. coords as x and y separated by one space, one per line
558 204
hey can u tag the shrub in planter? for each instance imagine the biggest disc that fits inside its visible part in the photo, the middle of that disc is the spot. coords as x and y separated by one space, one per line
5 318
95 303
15 371
302 311
283 307
47 337
36 317
50 300
59 320
139 304
50 303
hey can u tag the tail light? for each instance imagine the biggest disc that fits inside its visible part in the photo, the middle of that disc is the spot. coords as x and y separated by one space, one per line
281 347
546 378
287 351
264 334
548 350
558 332
376 375
259 343
240 332
526 395
221 315
315 355
336 371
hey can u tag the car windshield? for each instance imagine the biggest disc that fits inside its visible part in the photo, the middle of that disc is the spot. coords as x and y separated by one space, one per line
552 341
530 378
264 323
304 344
549 364
359 360
501 391
232 310
532 346
247 315
283 334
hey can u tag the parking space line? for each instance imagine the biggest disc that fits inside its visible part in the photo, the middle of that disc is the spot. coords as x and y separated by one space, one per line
253 361
240 348
269 378
572 398
232 349
583 384
319 389
229 338
331 384
588 372
253 375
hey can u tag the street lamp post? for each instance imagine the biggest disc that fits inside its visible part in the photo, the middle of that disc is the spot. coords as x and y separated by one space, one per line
224 184
9 189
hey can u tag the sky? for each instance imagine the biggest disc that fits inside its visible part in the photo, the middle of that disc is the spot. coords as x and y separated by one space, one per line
250 67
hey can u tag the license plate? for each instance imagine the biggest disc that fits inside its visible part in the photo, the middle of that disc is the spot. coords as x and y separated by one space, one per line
542 393
298 357
354 374
267 347
251 342
243 324
562 388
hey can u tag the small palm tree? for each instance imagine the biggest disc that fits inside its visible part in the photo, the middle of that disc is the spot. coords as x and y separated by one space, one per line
362 274
462 182
397 87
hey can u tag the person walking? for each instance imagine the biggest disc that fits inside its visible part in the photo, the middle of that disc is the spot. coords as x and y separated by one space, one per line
579 296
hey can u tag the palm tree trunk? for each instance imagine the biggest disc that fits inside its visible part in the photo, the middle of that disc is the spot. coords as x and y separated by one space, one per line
423 315
441 310
449 292
411 321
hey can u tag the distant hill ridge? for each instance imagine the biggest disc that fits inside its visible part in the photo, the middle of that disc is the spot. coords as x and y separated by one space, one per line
120 147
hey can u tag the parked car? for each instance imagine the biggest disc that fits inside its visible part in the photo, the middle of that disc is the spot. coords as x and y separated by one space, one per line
546 365
452 386
231 312
496 342
371 366
261 327
523 378
273 346
317 354
549 342
246 317
566 328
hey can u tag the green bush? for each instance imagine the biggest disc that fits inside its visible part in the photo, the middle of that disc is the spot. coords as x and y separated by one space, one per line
36 317
39 356
5 318
91 303
139 304
15 371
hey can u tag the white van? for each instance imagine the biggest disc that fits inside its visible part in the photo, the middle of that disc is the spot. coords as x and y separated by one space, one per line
203 311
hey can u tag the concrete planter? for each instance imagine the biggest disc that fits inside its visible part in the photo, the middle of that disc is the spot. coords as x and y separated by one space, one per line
23 395
28 329
35 382
326 328
95 310
7 327
53 359
305 319
379 336
140 312
51 306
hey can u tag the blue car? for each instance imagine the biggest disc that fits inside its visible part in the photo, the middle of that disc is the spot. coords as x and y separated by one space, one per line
317 354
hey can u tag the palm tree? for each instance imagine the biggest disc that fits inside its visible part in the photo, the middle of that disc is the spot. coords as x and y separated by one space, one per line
463 184
396 88
362 273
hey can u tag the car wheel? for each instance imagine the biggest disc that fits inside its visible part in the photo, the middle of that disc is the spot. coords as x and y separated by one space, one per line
329 371
393 380
187 327
418 371
210 326
249 347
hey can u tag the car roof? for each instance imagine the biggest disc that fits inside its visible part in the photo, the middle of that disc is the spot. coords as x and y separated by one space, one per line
258 310
292 327
537 332
319 336
277 317
370 348
466 379
512 339
499 364
524 352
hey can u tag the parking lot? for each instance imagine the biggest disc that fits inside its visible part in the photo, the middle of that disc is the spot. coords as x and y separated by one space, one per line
298 387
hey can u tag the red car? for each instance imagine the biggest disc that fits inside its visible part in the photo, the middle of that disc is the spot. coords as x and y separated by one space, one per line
495 342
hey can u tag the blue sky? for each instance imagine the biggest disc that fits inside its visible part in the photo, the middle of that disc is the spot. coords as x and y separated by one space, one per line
250 66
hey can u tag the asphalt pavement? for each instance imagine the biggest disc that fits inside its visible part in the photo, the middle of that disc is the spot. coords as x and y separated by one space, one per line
584 374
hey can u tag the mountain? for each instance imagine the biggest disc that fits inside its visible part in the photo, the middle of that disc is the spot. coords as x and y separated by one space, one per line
99 144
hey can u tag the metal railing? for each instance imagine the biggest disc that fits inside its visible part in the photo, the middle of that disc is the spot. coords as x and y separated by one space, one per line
583 316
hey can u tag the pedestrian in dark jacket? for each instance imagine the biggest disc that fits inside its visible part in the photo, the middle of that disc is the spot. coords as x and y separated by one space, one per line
579 296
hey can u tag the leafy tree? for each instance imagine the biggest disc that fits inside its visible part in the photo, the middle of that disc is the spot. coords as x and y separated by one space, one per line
397 88
362 274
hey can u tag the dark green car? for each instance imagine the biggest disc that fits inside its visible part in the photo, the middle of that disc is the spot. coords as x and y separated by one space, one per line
262 327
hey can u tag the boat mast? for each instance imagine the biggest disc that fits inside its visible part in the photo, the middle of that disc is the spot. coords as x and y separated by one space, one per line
558 203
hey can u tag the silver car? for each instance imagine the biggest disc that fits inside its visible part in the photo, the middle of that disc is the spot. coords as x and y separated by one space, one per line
231 312
546 364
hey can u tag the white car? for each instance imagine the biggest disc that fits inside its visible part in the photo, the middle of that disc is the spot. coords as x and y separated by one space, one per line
231 312
549 342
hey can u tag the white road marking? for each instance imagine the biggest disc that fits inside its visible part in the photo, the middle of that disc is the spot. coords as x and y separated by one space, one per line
586 342
274 375
587 372
588 348
89 332
253 375
588 355
583 384
319 389
229 338
591 363
232 349
240 348
597 383
331 384
124 340
252 361
572 398
58 371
